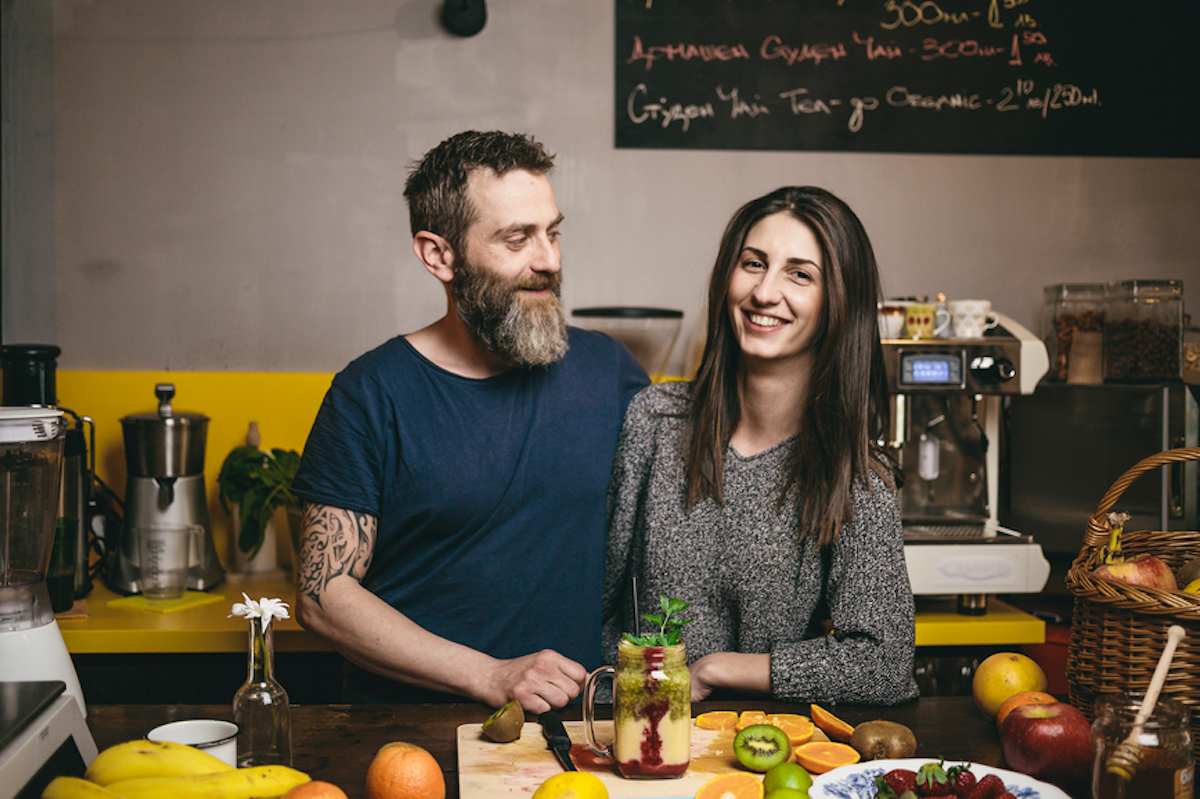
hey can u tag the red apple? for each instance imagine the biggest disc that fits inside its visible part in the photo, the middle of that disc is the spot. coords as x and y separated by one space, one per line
1145 570
1049 742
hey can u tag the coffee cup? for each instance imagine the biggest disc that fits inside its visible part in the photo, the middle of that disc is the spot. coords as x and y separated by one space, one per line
217 738
891 320
971 318
925 320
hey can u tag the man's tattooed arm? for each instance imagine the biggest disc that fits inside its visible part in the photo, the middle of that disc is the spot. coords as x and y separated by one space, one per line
336 542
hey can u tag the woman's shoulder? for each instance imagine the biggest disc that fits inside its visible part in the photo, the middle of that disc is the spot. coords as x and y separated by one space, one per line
660 400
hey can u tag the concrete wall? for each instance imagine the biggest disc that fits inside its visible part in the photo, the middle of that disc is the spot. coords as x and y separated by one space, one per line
228 182
27 172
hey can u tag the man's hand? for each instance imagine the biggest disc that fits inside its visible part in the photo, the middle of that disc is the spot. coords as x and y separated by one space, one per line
740 671
540 681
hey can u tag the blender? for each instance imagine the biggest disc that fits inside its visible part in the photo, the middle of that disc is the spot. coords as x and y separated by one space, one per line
41 704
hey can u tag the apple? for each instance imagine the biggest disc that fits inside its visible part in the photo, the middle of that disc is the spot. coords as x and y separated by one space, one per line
1148 571
1049 742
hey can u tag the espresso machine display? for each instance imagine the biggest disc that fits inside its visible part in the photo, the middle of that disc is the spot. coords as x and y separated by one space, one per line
164 459
944 428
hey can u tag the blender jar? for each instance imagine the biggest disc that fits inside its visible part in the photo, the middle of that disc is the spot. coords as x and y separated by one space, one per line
31 448
1143 330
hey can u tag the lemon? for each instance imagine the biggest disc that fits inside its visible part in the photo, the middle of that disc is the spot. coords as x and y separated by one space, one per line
1193 587
572 785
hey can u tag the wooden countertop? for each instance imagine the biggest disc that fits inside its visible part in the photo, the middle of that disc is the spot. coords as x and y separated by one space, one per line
207 628
337 742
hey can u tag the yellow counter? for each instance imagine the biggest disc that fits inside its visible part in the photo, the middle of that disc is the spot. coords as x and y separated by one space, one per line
209 629
939 625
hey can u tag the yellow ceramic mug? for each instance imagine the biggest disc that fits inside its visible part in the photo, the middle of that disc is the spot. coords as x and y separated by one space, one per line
925 320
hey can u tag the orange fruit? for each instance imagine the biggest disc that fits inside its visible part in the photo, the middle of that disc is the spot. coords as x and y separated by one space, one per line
834 727
749 717
1022 698
717 720
1002 675
798 728
738 785
404 771
821 756
317 789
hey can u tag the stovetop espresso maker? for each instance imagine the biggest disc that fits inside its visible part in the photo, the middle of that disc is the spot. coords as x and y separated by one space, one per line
164 461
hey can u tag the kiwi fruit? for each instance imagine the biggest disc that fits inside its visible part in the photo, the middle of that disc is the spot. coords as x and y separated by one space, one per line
883 740
505 724
761 747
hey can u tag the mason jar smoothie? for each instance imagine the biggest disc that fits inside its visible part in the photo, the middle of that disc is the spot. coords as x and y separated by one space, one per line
652 711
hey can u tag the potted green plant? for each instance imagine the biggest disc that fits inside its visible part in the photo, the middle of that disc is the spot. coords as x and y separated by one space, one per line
252 485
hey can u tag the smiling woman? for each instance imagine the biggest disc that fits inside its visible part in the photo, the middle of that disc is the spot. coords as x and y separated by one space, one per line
755 492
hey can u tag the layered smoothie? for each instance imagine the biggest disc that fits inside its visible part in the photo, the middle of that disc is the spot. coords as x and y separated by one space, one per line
652 711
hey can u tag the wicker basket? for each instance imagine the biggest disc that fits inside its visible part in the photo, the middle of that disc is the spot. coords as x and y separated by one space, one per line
1119 630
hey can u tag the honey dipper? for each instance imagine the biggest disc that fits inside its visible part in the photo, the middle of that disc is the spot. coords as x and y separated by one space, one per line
1124 760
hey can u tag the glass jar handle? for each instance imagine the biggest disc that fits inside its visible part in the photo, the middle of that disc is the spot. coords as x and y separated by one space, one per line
589 709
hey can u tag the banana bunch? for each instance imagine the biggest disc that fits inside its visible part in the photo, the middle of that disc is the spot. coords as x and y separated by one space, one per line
145 769
134 759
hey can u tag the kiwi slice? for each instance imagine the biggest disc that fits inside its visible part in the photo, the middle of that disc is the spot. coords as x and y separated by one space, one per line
505 724
761 747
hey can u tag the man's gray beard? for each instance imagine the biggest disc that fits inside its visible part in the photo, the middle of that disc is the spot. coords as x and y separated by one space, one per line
524 333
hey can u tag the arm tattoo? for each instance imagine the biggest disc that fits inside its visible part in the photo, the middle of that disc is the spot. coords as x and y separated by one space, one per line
335 542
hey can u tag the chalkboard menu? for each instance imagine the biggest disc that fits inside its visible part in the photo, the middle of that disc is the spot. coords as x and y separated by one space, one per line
1068 77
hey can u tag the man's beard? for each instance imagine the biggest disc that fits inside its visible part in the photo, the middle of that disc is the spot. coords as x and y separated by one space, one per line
525 332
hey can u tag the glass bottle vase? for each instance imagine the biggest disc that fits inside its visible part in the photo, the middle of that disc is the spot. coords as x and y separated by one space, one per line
260 707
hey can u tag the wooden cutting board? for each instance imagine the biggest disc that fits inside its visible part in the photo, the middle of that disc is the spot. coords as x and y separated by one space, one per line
487 769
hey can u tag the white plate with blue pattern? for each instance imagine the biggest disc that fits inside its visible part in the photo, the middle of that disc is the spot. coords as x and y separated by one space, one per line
858 781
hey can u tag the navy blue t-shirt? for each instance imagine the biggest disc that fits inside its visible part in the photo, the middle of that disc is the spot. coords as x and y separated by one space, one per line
490 494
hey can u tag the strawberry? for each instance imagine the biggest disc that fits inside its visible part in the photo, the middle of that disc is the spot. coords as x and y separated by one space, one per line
932 781
990 787
1006 795
961 780
898 781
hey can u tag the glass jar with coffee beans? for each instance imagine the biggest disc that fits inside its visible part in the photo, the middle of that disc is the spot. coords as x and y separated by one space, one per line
1072 311
1143 330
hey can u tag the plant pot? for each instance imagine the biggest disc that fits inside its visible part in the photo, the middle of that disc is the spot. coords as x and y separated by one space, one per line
295 523
273 556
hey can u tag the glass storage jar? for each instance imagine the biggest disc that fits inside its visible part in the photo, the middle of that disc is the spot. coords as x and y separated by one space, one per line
1164 765
1143 330
1191 355
1071 313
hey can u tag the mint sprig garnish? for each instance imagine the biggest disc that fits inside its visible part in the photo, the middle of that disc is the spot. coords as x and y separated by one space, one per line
668 622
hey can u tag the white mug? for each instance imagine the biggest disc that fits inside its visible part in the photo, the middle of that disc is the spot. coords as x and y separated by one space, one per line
217 738
970 318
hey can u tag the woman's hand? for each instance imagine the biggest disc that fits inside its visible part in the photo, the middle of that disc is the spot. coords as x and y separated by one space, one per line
734 670
702 676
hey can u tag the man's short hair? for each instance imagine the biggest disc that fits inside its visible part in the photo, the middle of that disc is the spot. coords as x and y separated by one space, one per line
436 189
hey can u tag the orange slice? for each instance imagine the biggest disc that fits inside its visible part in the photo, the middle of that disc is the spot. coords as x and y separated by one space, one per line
717 720
738 785
821 756
834 727
749 717
798 728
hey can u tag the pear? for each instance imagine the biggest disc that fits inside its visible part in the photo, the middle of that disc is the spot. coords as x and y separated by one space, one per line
505 724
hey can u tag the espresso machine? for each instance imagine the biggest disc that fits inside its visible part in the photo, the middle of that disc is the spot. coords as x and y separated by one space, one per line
42 728
164 461
944 430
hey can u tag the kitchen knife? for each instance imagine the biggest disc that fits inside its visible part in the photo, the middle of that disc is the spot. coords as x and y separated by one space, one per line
557 739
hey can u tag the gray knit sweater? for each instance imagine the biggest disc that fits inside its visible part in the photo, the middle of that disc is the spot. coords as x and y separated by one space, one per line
752 579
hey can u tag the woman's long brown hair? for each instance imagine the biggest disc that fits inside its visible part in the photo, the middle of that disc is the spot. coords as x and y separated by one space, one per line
844 411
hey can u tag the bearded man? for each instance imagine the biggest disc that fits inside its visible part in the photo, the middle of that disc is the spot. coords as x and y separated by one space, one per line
455 478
